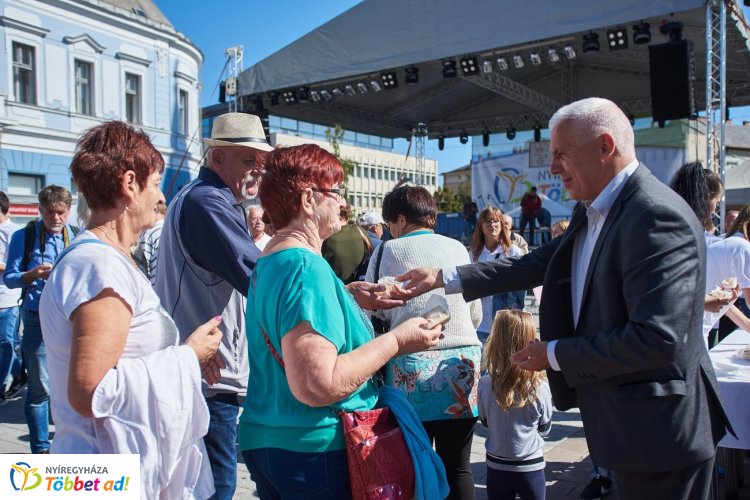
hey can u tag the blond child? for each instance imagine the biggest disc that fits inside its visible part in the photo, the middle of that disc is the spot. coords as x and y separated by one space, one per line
516 407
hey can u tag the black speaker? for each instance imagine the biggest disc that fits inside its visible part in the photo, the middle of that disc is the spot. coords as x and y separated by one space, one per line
672 80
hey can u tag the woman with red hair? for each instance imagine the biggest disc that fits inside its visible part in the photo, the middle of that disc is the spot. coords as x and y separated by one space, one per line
119 382
312 351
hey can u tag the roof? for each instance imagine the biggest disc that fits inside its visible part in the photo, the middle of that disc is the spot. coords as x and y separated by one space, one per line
140 8
381 36
465 168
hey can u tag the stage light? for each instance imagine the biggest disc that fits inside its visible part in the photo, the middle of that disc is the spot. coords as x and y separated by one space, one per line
485 138
631 118
510 133
349 90
672 29
289 96
337 92
590 42
570 52
502 64
535 58
315 96
412 75
375 86
518 61
303 94
487 66
617 38
553 55
449 68
537 133
362 87
469 66
463 138
641 33
326 95
441 142
274 97
389 80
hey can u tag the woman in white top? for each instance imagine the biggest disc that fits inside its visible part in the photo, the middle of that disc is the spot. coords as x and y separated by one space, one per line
440 383
103 325
491 241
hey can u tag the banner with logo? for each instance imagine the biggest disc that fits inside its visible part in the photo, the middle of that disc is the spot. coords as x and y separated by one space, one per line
70 476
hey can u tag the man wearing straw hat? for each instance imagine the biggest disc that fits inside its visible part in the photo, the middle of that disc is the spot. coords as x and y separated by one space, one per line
205 259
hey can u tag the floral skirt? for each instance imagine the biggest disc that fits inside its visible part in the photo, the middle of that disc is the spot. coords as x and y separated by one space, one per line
440 385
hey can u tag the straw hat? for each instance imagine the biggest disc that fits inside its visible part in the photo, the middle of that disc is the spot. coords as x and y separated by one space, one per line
238 129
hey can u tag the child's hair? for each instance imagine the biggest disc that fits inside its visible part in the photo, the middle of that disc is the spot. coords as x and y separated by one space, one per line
513 387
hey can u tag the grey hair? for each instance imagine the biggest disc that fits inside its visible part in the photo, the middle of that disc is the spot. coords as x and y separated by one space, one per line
599 116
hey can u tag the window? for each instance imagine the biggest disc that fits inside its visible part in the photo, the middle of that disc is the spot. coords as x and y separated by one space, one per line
380 174
132 98
83 88
183 108
24 73
367 172
24 184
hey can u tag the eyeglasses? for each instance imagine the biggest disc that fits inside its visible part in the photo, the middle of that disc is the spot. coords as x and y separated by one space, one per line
490 222
337 192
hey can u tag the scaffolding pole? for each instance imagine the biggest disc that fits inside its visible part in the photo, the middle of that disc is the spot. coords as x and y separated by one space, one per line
420 136
234 54
716 90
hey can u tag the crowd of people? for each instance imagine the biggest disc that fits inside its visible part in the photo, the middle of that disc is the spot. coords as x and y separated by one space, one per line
253 327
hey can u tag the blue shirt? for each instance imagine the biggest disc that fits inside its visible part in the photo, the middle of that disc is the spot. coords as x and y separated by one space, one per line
42 254
214 231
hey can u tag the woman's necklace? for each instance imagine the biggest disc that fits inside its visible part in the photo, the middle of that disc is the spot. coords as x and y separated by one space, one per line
114 243
295 235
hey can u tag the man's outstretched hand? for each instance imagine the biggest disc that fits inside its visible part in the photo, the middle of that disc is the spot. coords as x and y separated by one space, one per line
417 282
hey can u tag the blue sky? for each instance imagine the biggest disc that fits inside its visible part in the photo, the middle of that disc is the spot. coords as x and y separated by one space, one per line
262 27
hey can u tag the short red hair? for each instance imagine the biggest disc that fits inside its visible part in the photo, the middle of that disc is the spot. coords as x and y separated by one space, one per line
291 170
104 153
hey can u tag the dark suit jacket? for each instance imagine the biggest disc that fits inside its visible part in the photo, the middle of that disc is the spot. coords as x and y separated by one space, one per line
636 363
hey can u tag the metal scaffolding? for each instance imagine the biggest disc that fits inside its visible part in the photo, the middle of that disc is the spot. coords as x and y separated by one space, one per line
234 56
716 90
420 171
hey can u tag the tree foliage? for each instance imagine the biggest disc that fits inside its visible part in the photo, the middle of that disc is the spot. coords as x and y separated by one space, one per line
449 201
335 136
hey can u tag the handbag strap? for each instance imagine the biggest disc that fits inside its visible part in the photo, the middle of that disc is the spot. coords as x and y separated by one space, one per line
271 348
377 261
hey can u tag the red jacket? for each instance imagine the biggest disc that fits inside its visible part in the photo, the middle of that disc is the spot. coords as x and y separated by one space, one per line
531 204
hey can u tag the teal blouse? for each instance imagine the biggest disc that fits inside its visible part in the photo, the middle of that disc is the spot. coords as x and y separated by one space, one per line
291 286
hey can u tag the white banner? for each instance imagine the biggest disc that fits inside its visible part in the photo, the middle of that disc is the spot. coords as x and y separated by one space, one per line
70 476
501 181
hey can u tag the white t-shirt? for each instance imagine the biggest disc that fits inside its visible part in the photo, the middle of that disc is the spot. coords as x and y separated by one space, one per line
261 242
487 316
81 275
727 258
8 296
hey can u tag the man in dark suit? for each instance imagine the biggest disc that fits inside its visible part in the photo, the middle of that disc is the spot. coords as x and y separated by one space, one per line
621 310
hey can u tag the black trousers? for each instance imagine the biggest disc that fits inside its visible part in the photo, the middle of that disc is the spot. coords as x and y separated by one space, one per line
452 439
690 483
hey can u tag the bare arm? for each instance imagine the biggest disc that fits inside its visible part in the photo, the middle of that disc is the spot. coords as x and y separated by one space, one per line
319 376
100 329
738 318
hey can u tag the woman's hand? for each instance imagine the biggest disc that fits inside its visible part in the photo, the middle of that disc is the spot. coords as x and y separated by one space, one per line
413 336
205 342
714 304
367 296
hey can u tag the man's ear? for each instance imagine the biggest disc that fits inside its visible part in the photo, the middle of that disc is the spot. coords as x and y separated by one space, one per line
607 146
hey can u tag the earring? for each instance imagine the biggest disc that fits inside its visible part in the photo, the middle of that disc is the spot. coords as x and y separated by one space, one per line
315 218
132 209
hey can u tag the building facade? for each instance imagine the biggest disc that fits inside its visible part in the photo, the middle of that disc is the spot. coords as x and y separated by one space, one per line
72 64
456 178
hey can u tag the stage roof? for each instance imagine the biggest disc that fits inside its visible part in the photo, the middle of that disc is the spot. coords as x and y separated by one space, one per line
379 36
